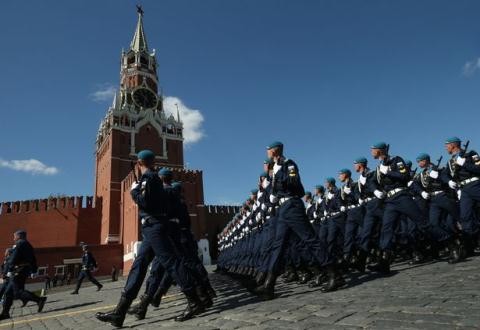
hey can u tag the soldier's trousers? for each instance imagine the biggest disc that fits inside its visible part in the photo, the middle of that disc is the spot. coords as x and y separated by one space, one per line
157 243
352 229
373 216
335 227
395 207
443 213
469 197
88 275
15 289
292 219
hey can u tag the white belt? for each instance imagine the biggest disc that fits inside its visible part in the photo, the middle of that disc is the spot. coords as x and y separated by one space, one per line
351 207
435 193
467 181
369 199
334 214
395 191
283 200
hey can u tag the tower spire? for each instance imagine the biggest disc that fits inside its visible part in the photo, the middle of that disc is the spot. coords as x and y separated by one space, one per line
139 42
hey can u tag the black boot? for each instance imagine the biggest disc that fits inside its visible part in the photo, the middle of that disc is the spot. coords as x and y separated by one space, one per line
361 261
210 290
418 258
383 265
41 303
335 280
117 316
157 298
260 278
4 316
267 290
194 307
292 277
140 309
318 280
456 251
203 296
306 277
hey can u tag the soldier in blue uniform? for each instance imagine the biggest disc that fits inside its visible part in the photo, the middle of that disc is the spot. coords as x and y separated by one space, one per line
88 264
350 195
21 264
287 191
443 209
154 205
392 177
464 178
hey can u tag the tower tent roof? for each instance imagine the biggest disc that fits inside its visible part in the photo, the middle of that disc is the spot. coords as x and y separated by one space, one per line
139 41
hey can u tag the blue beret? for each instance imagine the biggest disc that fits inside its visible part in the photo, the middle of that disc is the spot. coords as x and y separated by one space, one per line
408 162
254 191
320 187
176 184
264 174
453 139
165 172
268 161
146 155
308 193
360 160
330 180
423 156
345 171
275 144
379 145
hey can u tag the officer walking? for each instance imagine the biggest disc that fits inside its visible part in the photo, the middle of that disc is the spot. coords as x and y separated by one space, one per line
88 265
153 203
21 264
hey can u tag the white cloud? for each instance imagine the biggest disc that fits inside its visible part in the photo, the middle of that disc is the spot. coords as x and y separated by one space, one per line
32 166
471 67
104 92
192 119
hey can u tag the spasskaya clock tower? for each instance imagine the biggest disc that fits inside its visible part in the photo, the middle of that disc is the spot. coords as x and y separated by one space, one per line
135 121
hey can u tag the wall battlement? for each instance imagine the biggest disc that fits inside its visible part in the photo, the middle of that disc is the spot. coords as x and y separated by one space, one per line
222 209
42 205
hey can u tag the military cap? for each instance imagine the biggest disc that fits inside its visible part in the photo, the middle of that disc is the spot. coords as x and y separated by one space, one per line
423 156
320 187
268 161
379 145
146 155
453 139
254 191
165 172
176 184
345 171
275 144
21 232
264 174
360 160
330 180
408 162
308 194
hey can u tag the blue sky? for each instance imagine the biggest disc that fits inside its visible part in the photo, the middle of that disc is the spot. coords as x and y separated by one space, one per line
328 78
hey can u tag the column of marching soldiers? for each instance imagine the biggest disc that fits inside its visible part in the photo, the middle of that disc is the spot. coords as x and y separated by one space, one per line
389 213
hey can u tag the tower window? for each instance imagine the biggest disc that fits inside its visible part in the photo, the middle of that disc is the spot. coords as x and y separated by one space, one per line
143 60
131 60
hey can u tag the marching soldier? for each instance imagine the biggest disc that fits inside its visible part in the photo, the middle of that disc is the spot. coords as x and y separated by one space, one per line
88 265
153 203
21 264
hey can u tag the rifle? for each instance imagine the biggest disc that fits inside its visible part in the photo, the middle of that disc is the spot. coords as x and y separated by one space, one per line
439 161
465 147
132 164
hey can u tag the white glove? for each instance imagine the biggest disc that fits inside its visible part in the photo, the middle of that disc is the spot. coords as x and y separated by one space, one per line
250 222
379 194
265 183
259 216
433 174
425 195
343 208
452 184
315 215
362 179
384 169
460 161
254 206
264 207
276 167
347 190
134 185
330 195
33 275
273 199
9 274
325 213
360 201
459 194
409 183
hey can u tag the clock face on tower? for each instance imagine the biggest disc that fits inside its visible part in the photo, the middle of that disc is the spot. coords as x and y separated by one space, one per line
144 97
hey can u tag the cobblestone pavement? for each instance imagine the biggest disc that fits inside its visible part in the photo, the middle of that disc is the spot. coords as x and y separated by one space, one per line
431 296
